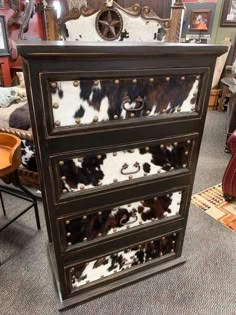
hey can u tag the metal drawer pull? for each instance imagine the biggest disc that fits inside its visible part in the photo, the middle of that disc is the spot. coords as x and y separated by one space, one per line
126 166
134 216
128 100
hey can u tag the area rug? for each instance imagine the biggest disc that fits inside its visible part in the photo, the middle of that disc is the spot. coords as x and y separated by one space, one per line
212 202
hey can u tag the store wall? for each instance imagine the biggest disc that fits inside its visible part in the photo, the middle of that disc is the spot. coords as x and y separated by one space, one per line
220 33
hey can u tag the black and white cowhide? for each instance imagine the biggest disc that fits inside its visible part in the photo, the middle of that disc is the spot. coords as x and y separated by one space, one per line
107 100
120 261
104 169
20 119
114 220
28 155
137 29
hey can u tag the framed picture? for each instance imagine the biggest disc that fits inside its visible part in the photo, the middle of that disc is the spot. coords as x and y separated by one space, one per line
234 52
228 17
4 49
200 20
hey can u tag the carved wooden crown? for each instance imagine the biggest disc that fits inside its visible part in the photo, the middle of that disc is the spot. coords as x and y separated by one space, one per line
134 11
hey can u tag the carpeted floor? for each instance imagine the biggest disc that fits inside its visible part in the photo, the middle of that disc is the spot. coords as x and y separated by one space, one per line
205 285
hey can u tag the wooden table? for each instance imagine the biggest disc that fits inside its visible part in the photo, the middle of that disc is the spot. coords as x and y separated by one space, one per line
226 82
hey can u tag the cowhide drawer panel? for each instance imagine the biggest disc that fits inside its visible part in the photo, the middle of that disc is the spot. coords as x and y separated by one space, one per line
87 102
110 221
83 173
116 263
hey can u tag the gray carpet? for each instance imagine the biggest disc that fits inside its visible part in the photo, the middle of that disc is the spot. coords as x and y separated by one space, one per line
205 285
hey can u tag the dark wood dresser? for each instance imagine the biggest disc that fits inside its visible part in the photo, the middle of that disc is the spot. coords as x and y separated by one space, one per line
117 130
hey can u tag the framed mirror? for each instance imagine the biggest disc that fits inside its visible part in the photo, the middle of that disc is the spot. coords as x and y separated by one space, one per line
228 17
4 48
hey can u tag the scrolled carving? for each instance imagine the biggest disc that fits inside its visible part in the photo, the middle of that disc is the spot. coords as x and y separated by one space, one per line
146 10
75 13
87 10
148 14
134 10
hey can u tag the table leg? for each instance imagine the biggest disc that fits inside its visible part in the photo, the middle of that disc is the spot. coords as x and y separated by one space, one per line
225 91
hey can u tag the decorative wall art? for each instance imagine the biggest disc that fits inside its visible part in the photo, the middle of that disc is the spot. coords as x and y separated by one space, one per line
234 51
4 50
1 4
200 20
228 17
200 1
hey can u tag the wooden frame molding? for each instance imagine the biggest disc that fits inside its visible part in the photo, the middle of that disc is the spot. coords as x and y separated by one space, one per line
225 22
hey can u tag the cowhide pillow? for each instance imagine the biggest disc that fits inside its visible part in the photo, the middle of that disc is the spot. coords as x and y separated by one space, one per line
8 96
20 118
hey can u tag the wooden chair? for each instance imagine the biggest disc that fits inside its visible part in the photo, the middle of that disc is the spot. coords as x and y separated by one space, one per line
10 153
140 19
229 179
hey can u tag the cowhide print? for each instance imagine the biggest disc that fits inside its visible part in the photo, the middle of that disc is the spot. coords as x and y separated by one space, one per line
104 169
136 29
120 261
28 155
92 101
110 221
20 119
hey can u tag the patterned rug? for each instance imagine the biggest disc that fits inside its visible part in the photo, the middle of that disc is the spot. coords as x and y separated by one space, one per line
212 202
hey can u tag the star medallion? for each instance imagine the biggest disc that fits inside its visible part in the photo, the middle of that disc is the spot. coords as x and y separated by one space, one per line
109 24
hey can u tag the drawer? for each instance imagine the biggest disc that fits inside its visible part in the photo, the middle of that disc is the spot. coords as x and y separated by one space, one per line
103 223
96 101
120 264
104 169
79 101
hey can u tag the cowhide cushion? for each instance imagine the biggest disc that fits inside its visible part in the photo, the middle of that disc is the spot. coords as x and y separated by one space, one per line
8 96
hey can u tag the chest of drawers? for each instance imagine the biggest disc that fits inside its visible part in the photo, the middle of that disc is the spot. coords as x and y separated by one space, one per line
117 130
